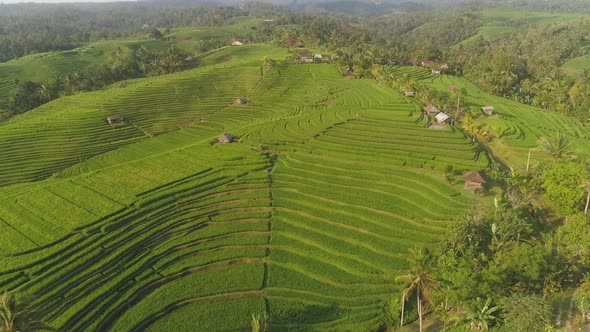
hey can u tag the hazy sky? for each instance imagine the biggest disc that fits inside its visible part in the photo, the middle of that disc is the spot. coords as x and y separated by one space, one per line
58 1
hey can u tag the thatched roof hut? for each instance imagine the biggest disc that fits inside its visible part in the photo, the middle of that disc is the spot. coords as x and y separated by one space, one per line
427 63
409 93
488 110
434 71
430 109
242 101
114 120
189 59
473 180
226 138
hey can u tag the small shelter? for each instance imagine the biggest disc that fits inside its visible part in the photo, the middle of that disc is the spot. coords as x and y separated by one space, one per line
473 181
431 110
318 56
114 120
453 89
226 138
305 59
427 63
409 94
236 43
349 71
442 117
434 71
488 110
444 66
122 85
189 59
242 101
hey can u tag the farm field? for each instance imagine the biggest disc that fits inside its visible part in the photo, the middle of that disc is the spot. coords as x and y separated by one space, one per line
517 127
577 66
150 226
44 67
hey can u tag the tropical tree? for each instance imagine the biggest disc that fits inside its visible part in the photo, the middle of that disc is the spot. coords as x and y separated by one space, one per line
481 314
420 279
586 187
557 147
17 314
260 322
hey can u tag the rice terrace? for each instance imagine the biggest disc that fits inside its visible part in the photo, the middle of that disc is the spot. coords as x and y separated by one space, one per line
281 167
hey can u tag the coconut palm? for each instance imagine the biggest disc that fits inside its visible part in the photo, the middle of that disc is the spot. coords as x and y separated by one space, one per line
17 315
419 279
481 314
557 147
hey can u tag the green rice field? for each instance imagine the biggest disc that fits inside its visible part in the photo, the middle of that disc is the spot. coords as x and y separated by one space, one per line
150 226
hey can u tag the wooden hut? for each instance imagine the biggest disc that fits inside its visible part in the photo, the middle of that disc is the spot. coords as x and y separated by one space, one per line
427 63
430 110
236 43
488 110
473 181
434 71
453 89
114 120
442 117
242 101
226 138
189 59
409 94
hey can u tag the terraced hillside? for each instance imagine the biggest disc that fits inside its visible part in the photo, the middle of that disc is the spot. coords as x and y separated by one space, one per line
309 216
44 67
517 127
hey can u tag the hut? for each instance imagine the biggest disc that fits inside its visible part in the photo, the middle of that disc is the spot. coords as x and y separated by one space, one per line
305 59
318 56
349 71
473 181
488 110
427 63
226 138
189 59
122 85
236 43
444 66
434 71
442 117
431 110
114 120
453 89
409 94
242 101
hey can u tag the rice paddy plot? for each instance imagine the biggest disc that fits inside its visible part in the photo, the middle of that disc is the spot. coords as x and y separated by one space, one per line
308 216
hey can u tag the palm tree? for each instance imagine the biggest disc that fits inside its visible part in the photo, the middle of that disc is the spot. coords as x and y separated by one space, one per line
16 314
557 147
481 314
420 279
260 322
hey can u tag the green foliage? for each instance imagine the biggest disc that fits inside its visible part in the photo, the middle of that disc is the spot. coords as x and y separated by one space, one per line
574 239
482 314
260 322
562 186
526 313
17 314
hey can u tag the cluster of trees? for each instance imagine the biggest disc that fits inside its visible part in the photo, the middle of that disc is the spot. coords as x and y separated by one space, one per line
122 65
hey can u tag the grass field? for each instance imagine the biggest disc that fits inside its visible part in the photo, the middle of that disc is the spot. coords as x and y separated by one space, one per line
149 226
517 127
577 66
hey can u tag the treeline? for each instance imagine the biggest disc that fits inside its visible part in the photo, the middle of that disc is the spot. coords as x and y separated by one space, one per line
121 65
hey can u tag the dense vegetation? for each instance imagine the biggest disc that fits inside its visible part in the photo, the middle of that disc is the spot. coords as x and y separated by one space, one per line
341 204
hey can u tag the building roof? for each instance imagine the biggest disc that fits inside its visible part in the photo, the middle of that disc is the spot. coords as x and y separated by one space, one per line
114 118
318 56
430 109
453 89
488 108
474 176
189 58
441 117
427 63
409 94
226 138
